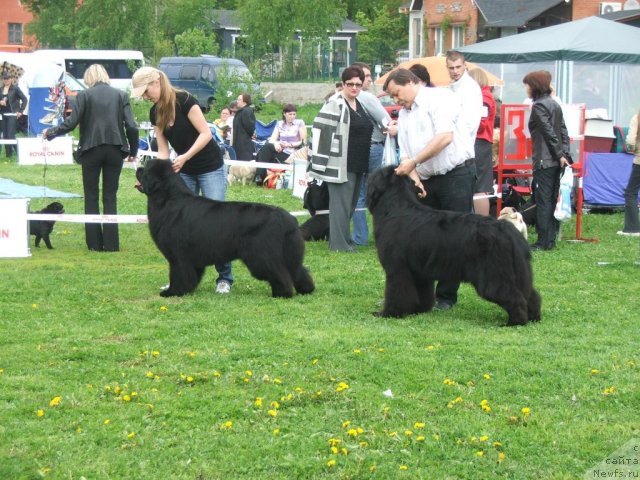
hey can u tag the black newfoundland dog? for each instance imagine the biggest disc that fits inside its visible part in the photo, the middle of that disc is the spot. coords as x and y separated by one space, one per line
42 228
193 232
418 245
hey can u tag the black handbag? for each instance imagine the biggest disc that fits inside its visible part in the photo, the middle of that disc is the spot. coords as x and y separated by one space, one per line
316 197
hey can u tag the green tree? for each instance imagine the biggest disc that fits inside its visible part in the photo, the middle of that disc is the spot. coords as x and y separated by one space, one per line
194 42
53 25
386 33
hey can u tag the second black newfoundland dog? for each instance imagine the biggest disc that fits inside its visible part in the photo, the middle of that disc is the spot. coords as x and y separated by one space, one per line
193 232
42 228
418 245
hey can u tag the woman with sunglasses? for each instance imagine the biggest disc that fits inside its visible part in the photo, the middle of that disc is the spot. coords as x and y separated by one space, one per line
341 143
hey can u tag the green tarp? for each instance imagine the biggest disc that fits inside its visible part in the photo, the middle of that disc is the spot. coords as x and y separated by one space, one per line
591 39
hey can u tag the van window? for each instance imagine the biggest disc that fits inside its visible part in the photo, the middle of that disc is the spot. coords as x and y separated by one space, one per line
114 68
190 72
172 71
207 74
233 70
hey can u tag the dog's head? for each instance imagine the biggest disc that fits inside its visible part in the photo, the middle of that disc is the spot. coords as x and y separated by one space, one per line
385 183
55 207
156 178
508 212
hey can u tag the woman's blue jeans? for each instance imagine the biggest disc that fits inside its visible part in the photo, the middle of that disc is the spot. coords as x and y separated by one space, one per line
211 185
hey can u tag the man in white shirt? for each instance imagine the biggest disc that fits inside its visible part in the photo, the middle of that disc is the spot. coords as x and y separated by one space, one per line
431 141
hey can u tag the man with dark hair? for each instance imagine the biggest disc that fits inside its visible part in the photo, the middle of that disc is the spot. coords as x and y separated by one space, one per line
431 151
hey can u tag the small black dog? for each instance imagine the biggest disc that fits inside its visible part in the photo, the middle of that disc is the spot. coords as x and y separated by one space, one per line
43 228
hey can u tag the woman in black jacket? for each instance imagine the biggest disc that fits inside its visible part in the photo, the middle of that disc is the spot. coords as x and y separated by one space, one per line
12 105
244 126
550 142
108 135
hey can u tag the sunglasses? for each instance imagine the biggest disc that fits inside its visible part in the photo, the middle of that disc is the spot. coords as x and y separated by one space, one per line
353 85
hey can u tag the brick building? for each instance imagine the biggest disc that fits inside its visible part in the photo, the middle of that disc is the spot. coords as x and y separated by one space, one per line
453 23
13 22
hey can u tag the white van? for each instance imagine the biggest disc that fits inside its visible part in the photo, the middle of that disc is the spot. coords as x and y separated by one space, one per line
119 64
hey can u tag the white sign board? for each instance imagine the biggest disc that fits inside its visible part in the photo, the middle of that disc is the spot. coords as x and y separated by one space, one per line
300 177
37 151
14 231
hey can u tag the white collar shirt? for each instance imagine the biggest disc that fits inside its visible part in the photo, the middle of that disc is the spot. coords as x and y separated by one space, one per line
469 97
434 111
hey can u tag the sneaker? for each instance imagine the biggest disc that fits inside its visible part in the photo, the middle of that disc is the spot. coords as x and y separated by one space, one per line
165 287
223 287
628 234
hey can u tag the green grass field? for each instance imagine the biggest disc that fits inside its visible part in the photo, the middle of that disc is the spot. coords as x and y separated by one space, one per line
101 378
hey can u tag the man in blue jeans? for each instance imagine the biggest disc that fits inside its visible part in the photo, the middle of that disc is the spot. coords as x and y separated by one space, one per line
375 109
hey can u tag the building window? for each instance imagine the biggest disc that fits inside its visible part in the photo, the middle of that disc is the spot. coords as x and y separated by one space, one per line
416 32
438 41
15 33
457 37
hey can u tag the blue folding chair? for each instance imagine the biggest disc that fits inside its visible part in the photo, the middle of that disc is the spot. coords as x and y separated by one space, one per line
263 133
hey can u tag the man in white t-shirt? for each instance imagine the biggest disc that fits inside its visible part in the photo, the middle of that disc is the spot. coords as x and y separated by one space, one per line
431 140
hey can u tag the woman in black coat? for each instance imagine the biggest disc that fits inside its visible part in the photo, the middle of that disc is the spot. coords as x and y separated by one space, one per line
12 105
550 142
244 126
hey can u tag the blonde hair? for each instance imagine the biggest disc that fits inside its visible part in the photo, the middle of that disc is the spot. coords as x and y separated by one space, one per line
95 74
166 104
479 76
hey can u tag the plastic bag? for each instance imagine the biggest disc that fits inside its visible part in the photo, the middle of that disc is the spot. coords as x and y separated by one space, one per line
563 206
390 154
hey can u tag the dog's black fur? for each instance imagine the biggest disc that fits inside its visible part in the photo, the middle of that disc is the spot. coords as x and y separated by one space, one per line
418 245
316 228
193 232
43 228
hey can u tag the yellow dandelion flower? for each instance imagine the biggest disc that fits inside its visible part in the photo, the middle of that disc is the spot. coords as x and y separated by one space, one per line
1 371
357 350
404 467
436 437
448 382
78 429
513 419
334 441
189 379
314 361
484 402
248 373
216 373
595 371
34 305
318 393
331 463
373 468
501 456
149 374
131 435
55 401
360 430
134 394
191 354
457 399
430 348
484 438
40 413
156 377
479 453
408 433
420 438
258 402
164 309
352 432
393 434
363 444
126 398
334 450
486 376
344 451
346 423
418 425
496 444
227 425
486 409
117 390
275 404
289 397
155 353
299 390
342 386
273 413
470 383
275 432
526 411
277 381
106 421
